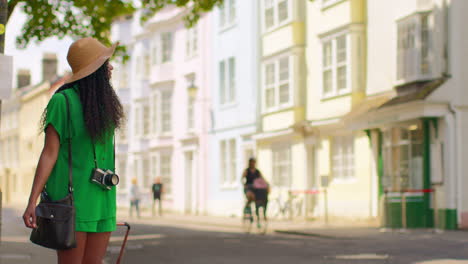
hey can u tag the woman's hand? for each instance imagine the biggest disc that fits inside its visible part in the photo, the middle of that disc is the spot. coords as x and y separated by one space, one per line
29 216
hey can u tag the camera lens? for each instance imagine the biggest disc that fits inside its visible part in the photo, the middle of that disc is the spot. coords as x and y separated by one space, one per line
111 180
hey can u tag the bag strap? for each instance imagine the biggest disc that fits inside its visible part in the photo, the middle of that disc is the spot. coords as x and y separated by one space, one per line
70 167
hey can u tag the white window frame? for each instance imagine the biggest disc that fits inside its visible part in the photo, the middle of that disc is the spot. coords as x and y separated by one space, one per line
412 59
191 42
277 83
335 65
138 120
167 53
279 163
276 24
138 67
228 165
157 112
227 86
339 144
228 9
156 168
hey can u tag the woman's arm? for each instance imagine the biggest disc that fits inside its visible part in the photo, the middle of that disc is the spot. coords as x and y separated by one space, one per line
44 168
244 175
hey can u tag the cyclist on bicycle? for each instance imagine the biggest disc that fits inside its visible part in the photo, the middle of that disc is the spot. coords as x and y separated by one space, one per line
248 178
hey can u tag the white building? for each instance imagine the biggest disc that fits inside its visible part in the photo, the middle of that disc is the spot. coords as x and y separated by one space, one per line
165 87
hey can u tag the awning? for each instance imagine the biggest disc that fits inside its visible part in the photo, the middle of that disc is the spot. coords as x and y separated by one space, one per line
408 103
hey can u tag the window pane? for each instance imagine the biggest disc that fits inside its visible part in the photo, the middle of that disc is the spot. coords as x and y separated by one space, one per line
425 44
341 49
327 81
233 158
232 11
166 107
341 78
269 13
327 54
167 42
223 153
222 15
232 79
284 93
283 11
194 41
284 69
166 171
146 120
270 74
222 82
270 97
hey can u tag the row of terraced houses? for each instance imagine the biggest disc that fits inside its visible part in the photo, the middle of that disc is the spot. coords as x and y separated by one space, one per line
355 105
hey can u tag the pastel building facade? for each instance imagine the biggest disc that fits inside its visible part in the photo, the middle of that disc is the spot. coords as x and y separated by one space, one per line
234 96
416 135
342 160
280 141
166 91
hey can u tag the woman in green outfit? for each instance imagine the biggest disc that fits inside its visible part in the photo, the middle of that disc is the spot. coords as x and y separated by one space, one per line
95 112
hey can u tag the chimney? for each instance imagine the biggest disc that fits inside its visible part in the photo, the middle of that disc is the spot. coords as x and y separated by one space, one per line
23 78
49 66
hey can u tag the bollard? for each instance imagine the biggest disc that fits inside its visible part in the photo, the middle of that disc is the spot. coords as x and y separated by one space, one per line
403 211
325 199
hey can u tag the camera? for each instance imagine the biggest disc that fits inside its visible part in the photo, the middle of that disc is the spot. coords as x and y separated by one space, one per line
104 179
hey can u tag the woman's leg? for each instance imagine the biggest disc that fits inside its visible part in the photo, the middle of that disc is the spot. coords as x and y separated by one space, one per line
137 206
74 255
96 246
160 206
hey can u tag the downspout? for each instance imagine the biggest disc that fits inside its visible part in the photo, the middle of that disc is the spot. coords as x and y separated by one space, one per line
451 119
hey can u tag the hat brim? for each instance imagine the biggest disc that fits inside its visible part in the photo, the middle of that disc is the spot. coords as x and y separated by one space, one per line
88 70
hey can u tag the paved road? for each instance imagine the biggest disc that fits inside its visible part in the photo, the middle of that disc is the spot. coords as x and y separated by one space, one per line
181 245
168 242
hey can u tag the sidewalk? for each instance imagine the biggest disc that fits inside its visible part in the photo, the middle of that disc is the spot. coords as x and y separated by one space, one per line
336 230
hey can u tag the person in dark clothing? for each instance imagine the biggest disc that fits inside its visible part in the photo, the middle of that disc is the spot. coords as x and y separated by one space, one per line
157 190
248 178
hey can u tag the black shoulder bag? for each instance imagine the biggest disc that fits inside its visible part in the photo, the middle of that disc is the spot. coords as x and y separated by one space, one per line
56 219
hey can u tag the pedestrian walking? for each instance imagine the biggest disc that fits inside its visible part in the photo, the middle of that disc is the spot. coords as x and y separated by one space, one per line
83 113
135 198
157 190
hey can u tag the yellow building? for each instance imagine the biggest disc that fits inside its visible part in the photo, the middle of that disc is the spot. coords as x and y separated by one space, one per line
342 159
9 141
21 139
280 142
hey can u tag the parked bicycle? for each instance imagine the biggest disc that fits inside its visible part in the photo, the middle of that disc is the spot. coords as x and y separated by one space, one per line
287 208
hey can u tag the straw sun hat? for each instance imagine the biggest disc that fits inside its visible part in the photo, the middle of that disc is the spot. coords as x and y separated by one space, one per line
86 55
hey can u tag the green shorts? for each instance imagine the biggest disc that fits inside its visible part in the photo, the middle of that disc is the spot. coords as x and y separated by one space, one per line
104 225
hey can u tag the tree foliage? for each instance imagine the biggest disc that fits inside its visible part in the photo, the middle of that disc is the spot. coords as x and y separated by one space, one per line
84 18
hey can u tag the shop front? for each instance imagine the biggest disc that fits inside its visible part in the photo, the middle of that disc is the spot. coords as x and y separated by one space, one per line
405 174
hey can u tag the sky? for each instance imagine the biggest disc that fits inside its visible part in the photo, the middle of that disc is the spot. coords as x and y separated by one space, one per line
31 57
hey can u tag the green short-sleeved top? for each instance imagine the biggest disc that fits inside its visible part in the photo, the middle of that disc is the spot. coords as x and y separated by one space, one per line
91 202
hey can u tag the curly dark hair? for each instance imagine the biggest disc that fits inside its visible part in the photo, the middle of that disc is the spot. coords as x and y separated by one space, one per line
102 110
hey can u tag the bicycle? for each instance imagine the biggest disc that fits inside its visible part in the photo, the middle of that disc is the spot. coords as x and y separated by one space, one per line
290 208
248 218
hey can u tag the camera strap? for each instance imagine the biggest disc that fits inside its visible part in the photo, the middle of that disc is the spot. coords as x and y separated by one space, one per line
70 165
95 156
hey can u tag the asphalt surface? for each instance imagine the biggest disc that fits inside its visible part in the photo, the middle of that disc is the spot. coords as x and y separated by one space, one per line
169 242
